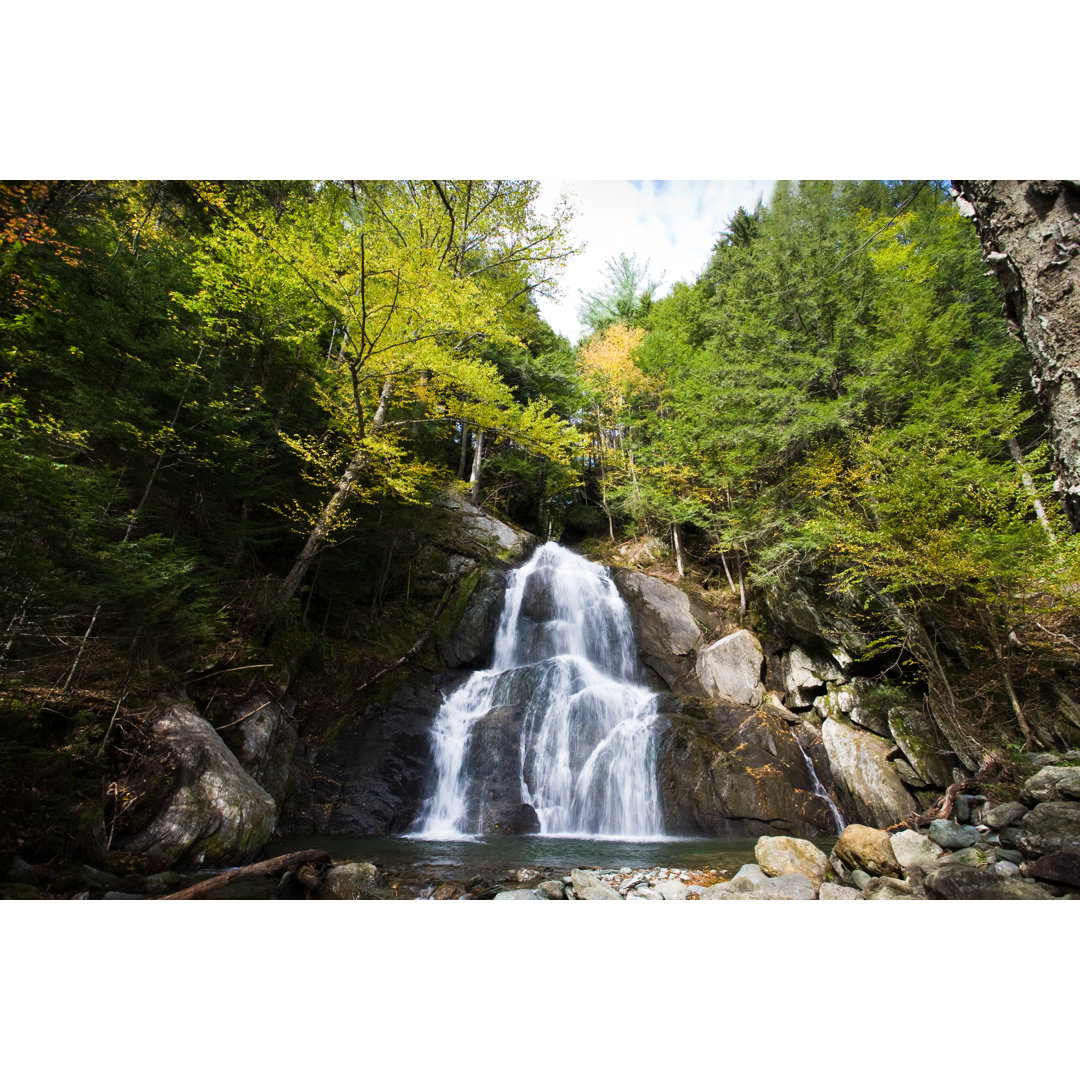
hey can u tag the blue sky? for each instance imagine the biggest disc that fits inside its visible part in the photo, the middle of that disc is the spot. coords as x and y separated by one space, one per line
672 224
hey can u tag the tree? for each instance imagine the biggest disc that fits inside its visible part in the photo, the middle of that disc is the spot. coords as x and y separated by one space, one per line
626 296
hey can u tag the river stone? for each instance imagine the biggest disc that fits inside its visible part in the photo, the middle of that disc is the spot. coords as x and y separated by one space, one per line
1007 868
860 879
1050 827
969 856
862 848
207 809
672 890
785 887
1061 868
831 891
979 883
730 669
597 892
751 871
857 760
922 744
552 890
998 817
952 836
1052 784
887 888
778 855
349 881
517 894
664 629
913 849
645 892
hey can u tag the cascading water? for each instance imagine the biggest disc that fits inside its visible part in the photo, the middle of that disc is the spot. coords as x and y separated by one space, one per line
821 793
564 654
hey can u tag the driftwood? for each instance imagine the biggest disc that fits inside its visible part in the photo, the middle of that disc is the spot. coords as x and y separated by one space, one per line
990 770
265 868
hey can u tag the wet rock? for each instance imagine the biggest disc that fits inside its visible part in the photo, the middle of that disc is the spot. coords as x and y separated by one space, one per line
948 834
911 848
858 762
1060 868
1049 828
552 890
466 637
779 855
862 848
997 817
349 881
923 745
205 809
831 891
664 628
732 770
979 883
730 669
1052 784
447 891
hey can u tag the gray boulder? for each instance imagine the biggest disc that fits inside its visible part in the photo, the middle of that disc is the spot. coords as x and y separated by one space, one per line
753 872
1053 784
857 760
672 890
518 894
785 887
831 891
664 628
979 883
587 886
1060 868
1049 828
998 817
730 669
913 849
465 636
887 888
349 881
948 834
806 676
922 744
204 809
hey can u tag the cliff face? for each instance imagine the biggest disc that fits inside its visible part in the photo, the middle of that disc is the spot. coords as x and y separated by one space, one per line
1030 236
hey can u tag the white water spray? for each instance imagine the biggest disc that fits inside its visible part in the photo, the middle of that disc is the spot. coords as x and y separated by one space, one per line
564 651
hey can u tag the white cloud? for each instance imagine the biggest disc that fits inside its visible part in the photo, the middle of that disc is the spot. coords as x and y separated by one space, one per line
672 224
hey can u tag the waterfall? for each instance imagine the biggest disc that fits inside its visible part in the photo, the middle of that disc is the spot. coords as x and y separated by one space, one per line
820 792
566 664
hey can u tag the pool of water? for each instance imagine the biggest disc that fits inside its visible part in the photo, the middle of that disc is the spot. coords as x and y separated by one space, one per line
414 866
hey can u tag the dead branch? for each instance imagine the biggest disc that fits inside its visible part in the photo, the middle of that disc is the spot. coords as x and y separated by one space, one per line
266 868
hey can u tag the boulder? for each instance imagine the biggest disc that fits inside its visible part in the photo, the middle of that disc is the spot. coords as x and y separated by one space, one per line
913 849
664 629
922 744
672 890
1061 868
979 883
271 751
733 770
730 669
806 676
779 855
857 760
785 887
1049 828
860 879
998 817
349 881
1052 784
831 891
203 808
969 856
587 886
552 890
472 526
887 888
494 767
802 611
948 834
518 894
870 850
753 872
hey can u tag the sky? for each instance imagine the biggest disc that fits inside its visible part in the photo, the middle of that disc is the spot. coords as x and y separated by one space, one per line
671 224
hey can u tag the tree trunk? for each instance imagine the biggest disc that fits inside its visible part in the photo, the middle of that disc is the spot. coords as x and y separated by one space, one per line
1029 485
678 550
463 460
339 498
477 465
260 869
1030 234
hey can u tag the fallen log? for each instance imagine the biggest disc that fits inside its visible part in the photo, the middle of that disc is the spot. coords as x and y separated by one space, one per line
260 869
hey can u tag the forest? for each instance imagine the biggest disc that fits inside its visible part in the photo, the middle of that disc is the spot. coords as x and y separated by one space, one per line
226 409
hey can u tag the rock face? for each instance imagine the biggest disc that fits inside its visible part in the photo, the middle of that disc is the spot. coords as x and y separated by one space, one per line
1052 784
730 669
206 809
467 637
271 752
869 850
779 855
494 798
373 777
858 762
922 745
806 676
664 628
732 770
